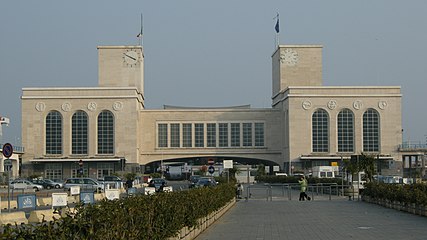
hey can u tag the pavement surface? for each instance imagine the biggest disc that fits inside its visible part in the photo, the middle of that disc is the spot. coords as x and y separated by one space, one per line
323 219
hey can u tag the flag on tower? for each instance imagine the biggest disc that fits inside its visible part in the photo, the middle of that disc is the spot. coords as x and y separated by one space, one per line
277 24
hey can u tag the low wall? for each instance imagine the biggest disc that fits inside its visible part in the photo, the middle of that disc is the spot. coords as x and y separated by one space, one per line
13 217
405 207
191 233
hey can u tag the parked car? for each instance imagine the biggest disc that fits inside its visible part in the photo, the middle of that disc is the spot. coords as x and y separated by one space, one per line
84 183
206 182
47 183
24 183
112 181
193 180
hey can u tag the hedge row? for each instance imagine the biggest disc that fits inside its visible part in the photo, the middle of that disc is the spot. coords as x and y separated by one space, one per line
408 193
157 216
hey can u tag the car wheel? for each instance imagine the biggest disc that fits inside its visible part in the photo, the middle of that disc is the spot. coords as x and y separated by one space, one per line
36 189
48 187
56 186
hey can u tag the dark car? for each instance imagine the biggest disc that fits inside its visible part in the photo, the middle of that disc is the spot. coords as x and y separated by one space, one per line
47 183
193 180
206 182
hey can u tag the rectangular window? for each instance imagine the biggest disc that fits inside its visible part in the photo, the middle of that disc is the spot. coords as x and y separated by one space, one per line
53 171
199 136
211 134
186 135
235 134
175 136
162 135
105 169
75 168
247 134
223 134
259 134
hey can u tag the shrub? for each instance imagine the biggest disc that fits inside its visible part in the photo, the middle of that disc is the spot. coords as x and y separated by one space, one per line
157 216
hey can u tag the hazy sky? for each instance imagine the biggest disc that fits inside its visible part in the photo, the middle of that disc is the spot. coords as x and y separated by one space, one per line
214 53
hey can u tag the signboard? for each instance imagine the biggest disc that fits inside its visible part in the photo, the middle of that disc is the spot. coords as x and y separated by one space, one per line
7 150
276 168
131 191
74 190
59 199
267 169
211 169
87 197
228 164
112 194
26 201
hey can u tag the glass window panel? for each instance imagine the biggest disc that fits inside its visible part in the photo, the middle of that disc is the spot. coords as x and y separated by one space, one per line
247 134
345 131
105 133
186 135
175 136
54 133
211 134
259 134
320 136
199 136
162 135
371 131
235 134
223 134
79 138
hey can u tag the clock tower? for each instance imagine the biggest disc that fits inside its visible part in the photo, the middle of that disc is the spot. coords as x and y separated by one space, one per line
296 65
121 66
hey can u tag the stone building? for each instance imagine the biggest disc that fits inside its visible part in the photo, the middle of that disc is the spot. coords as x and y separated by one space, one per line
109 128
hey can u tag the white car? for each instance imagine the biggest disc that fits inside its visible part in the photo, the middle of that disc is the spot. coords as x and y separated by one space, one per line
24 184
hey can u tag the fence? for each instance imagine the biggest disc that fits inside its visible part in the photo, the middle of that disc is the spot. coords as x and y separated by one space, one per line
289 191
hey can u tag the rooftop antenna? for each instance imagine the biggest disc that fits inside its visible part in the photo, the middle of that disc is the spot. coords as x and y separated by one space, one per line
140 34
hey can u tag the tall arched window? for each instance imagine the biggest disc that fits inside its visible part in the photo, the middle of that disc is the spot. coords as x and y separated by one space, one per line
54 133
320 131
105 133
79 135
346 131
371 131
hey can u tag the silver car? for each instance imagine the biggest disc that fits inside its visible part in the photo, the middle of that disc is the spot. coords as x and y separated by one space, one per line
24 184
84 184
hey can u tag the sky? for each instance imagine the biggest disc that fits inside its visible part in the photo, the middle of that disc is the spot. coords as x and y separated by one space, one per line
214 53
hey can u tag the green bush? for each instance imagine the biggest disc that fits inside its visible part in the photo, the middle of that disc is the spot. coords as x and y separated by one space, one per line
157 216
413 193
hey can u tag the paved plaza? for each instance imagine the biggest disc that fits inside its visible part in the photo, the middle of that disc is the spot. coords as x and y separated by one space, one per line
321 219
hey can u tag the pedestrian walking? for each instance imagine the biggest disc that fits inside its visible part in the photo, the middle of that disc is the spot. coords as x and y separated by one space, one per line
303 184
239 191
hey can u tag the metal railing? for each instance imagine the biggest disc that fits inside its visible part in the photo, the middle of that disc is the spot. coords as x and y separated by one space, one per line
286 191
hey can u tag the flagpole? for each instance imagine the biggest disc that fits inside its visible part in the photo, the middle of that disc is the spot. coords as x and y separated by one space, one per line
141 34
277 28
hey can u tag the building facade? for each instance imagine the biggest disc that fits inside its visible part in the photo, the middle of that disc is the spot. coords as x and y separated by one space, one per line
109 128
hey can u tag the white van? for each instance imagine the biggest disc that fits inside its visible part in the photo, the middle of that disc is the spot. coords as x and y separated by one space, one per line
324 171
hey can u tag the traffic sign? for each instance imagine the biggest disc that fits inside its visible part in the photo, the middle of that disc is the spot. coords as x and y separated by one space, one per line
211 169
7 150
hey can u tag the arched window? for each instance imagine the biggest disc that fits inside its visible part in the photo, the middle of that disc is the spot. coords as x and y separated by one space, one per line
79 135
320 131
371 131
54 133
346 131
105 133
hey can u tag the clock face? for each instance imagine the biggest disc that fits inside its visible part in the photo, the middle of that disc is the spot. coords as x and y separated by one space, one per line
289 57
131 58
